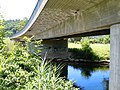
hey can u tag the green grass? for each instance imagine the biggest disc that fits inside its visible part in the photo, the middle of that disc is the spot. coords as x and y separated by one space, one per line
102 50
74 45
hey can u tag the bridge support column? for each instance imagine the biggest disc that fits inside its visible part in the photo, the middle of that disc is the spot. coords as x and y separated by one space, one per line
57 48
114 83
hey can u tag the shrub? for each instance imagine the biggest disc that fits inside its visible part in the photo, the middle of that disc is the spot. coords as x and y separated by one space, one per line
85 52
20 70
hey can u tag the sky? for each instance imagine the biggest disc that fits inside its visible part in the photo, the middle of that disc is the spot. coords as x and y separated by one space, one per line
17 9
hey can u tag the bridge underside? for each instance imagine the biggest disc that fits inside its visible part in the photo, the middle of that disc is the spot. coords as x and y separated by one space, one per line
75 17
60 18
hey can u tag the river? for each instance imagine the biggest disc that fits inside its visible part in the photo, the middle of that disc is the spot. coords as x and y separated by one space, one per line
88 76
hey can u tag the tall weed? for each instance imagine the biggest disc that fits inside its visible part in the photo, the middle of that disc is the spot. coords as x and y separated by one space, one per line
21 70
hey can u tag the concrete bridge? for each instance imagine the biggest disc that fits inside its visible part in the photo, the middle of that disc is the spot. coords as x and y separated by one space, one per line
55 20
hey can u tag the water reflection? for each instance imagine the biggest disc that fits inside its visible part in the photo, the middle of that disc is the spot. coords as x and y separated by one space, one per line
86 76
89 76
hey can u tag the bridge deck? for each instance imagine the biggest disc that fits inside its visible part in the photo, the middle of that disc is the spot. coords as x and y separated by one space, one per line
60 18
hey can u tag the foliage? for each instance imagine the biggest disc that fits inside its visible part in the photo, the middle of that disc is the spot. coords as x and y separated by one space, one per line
85 52
20 70
9 44
1 20
104 39
85 44
74 40
101 50
14 26
1 26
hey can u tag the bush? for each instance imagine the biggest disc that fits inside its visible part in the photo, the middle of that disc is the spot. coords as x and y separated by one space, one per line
20 70
85 52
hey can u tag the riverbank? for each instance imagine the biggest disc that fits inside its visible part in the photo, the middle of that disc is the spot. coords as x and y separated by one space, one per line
101 62
101 50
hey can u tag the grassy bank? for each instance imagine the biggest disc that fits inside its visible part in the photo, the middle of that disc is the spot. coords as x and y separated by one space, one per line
101 50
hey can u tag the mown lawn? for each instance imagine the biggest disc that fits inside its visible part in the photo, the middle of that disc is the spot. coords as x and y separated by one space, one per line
102 50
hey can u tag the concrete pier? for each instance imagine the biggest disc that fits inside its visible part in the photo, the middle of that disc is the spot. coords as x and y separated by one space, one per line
114 83
57 48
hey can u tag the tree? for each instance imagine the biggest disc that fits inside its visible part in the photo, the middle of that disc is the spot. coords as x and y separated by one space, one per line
14 26
1 22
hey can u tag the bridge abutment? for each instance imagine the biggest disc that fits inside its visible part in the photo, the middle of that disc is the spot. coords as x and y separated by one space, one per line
114 83
56 48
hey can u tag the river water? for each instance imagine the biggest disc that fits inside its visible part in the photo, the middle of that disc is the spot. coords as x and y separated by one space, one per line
88 76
